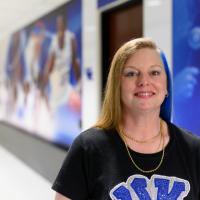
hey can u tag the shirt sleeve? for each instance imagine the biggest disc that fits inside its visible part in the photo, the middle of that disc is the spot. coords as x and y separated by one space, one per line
71 180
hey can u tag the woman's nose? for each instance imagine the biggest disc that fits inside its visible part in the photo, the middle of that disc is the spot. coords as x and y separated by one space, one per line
143 80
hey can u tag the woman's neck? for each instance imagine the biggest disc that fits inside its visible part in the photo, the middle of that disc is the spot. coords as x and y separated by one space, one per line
141 126
144 132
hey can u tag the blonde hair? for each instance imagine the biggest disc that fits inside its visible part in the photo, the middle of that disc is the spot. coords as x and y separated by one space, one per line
110 115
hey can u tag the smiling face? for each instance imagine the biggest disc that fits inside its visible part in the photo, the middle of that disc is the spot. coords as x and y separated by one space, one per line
143 82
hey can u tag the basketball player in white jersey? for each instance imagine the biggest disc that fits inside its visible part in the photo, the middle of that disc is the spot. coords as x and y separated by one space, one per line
62 56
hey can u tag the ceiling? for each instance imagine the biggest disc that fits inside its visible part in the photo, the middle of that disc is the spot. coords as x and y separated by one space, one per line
16 13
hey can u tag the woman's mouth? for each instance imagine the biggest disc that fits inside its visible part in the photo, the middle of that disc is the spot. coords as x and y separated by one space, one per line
144 94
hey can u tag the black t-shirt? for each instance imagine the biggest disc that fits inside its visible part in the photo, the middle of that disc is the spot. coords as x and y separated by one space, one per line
97 167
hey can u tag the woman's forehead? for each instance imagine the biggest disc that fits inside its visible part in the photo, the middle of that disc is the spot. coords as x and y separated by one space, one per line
144 57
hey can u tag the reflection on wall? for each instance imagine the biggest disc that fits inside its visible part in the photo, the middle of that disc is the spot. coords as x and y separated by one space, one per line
40 82
186 63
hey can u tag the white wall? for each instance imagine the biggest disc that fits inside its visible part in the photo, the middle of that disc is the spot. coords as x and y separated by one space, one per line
157 24
91 91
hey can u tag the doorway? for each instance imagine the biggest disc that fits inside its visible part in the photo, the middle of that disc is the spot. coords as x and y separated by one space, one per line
119 25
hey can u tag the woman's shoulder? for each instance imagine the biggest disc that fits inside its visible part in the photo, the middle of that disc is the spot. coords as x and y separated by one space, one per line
95 136
185 136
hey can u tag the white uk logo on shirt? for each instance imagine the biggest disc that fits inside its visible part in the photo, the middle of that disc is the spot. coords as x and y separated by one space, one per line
139 187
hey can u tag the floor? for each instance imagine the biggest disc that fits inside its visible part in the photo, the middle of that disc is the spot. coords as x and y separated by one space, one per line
19 182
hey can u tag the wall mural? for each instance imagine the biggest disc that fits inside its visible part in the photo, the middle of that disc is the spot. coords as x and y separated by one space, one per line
40 82
186 63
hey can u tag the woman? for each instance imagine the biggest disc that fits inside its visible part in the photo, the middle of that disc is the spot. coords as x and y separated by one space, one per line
134 151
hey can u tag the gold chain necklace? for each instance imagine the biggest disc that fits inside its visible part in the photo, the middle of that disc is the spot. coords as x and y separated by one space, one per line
162 157
160 143
141 141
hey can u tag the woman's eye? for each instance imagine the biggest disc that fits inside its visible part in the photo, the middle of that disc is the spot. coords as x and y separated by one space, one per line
155 73
131 74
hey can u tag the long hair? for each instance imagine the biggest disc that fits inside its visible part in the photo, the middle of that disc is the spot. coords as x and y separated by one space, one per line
110 115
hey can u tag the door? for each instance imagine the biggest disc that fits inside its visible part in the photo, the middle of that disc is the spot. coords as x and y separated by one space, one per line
119 25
